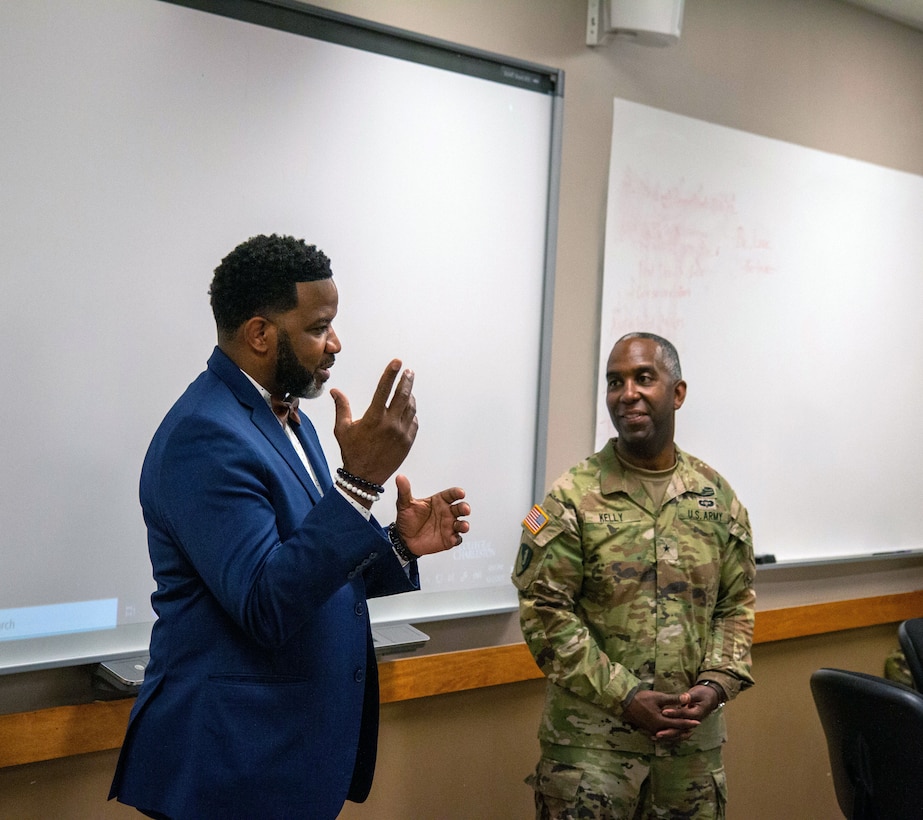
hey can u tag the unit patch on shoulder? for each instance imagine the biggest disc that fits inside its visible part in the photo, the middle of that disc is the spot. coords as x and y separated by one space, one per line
523 559
535 520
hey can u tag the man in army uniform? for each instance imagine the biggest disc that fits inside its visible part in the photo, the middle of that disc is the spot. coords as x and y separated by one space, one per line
635 579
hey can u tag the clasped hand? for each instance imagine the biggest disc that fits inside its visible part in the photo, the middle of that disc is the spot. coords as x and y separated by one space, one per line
671 717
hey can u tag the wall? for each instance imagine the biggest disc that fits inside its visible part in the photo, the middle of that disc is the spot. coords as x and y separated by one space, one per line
823 74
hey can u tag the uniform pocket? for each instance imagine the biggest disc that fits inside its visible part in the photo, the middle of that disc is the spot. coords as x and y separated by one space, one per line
721 791
558 781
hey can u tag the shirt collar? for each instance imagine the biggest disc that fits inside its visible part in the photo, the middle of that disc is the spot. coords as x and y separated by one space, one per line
267 397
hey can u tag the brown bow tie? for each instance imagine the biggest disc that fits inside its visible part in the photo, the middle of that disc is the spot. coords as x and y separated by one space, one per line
286 409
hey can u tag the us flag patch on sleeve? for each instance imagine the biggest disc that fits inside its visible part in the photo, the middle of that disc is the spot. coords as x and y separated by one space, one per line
535 520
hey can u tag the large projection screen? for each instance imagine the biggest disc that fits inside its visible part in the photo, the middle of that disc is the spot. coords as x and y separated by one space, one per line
140 142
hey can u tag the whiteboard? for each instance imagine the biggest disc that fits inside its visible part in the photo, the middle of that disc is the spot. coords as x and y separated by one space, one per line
791 282
141 141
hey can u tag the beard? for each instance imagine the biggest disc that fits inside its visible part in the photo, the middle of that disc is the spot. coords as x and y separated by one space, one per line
291 376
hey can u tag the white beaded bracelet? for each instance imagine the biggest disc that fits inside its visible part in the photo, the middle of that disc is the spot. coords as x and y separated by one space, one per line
356 491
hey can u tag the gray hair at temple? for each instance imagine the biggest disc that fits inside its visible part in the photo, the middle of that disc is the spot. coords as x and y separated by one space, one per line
667 351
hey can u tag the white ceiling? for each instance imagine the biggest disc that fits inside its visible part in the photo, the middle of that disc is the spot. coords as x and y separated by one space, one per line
909 12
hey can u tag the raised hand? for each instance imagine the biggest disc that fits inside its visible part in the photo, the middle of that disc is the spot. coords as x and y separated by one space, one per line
374 446
433 524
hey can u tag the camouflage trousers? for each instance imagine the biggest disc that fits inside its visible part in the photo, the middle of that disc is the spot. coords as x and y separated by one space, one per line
594 784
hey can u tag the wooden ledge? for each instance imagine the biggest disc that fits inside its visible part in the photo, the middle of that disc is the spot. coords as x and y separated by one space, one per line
819 619
29 737
62 731
408 678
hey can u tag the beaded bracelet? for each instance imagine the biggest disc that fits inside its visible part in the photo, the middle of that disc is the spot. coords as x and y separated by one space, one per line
399 546
356 491
370 486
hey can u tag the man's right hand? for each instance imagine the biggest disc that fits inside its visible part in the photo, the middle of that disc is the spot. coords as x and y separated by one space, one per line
646 712
374 446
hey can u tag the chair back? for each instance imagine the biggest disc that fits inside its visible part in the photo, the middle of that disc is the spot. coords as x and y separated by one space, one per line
874 733
910 636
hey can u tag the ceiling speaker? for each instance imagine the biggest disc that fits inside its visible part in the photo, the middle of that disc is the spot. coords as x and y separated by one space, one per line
646 22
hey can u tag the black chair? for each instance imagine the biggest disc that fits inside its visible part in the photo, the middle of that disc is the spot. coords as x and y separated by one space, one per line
874 731
910 636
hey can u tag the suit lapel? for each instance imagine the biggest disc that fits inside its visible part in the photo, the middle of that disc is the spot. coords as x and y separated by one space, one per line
307 435
264 419
270 427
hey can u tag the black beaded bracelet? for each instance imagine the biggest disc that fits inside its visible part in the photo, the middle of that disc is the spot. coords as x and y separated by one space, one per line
371 486
399 546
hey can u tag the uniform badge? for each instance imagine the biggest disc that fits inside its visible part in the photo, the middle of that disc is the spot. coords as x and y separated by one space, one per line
524 558
535 520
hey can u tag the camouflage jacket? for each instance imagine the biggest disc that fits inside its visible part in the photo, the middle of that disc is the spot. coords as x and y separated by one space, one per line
616 595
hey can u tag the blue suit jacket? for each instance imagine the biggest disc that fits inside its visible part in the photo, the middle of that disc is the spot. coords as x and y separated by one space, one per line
261 696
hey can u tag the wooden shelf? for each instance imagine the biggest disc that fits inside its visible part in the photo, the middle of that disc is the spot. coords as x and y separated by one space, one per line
62 731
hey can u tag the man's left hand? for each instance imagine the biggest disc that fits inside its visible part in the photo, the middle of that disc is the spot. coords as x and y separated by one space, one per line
433 524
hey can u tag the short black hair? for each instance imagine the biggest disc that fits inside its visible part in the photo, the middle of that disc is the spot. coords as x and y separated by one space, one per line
259 277
667 351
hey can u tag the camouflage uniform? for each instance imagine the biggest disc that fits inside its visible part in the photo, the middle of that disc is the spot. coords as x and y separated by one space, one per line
616 595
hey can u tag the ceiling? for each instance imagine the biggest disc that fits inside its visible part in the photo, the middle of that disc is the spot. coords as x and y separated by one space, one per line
909 12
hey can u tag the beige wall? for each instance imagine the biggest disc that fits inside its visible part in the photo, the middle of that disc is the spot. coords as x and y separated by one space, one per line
819 73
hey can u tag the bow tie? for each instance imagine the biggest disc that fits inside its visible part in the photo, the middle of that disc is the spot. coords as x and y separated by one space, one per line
286 409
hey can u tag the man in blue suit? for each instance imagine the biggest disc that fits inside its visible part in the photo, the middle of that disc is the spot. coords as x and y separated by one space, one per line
261 695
